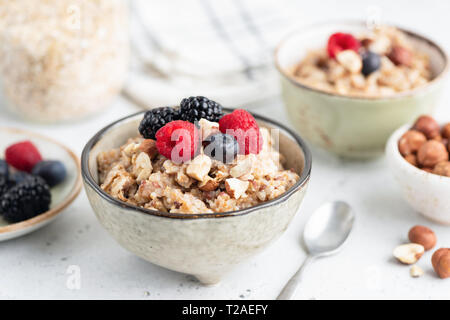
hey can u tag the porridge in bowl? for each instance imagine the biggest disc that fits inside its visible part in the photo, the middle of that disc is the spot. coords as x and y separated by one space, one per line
379 63
195 159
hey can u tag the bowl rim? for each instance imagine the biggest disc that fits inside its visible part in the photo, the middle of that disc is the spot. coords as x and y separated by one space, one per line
50 214
399 95
304 177
392 148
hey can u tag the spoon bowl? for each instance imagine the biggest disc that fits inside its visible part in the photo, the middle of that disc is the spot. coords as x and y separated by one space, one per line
328 228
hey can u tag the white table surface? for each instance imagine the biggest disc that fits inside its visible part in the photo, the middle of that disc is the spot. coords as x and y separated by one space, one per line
35 265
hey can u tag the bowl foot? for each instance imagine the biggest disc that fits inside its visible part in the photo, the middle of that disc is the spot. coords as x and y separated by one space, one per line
208 280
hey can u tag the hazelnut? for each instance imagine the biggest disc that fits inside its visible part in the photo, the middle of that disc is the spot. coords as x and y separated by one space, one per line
442 169
409 253
416 271
199 167
431 153
400 56
149 147
422 235
441 262
446 131
410 142
428 126
235 187
412 159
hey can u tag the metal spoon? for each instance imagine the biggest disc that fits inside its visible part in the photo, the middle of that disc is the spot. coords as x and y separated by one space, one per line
325 232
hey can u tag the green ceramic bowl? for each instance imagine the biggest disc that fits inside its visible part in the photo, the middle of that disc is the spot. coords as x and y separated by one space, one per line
352 127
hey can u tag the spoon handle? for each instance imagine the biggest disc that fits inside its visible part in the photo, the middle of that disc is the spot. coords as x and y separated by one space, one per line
291 287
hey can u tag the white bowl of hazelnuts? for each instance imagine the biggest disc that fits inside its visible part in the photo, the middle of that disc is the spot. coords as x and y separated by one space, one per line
418 157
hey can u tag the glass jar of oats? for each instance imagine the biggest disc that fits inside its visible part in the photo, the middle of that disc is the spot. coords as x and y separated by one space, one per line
62 59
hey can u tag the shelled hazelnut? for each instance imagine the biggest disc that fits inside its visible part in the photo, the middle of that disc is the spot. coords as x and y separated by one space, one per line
426 146
428 126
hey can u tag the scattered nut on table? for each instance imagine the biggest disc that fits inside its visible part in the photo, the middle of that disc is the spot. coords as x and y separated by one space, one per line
422 235
409 253
416 271
441 262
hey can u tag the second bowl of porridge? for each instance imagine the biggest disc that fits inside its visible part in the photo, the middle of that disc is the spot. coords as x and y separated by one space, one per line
205 211
347 88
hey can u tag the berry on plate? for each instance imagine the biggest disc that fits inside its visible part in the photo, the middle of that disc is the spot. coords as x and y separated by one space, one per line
342 41
52 171
241 125
193 109
178 141
22 156
221 147
155 119
25 200
371 62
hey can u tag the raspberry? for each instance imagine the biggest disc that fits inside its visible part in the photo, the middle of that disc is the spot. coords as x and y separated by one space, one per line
178 140
341 41
22 156
243 127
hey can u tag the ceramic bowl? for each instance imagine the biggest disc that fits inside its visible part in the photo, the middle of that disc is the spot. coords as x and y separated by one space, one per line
62 195
350 126
425 192
203 245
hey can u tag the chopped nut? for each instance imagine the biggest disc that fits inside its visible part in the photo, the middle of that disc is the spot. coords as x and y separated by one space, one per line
350 60
235 187
149 146
199 167
209 184
243 167
400 56
208 128
416 271
143 167
409 253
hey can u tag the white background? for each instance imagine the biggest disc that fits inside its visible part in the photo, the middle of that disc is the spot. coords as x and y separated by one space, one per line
35 265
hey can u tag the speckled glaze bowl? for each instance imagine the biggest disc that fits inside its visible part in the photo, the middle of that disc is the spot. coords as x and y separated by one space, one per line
203 245
352 127
425 192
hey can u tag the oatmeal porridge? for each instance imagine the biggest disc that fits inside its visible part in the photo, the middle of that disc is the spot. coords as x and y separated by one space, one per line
379 63
214 172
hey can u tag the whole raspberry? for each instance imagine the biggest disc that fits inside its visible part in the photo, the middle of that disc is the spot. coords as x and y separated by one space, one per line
22 156
243 127
341 41
178 140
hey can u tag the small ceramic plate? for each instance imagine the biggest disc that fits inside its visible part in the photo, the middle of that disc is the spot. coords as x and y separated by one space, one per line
62 195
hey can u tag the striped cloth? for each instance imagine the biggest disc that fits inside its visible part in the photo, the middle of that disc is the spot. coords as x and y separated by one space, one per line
219 49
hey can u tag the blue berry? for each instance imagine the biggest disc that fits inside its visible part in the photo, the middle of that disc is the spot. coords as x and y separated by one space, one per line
4 169
53 172
221 147
19 177
371 62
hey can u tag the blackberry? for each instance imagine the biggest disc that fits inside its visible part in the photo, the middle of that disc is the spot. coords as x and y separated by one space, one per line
193 109
25 200
155 119
221 147
4 185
